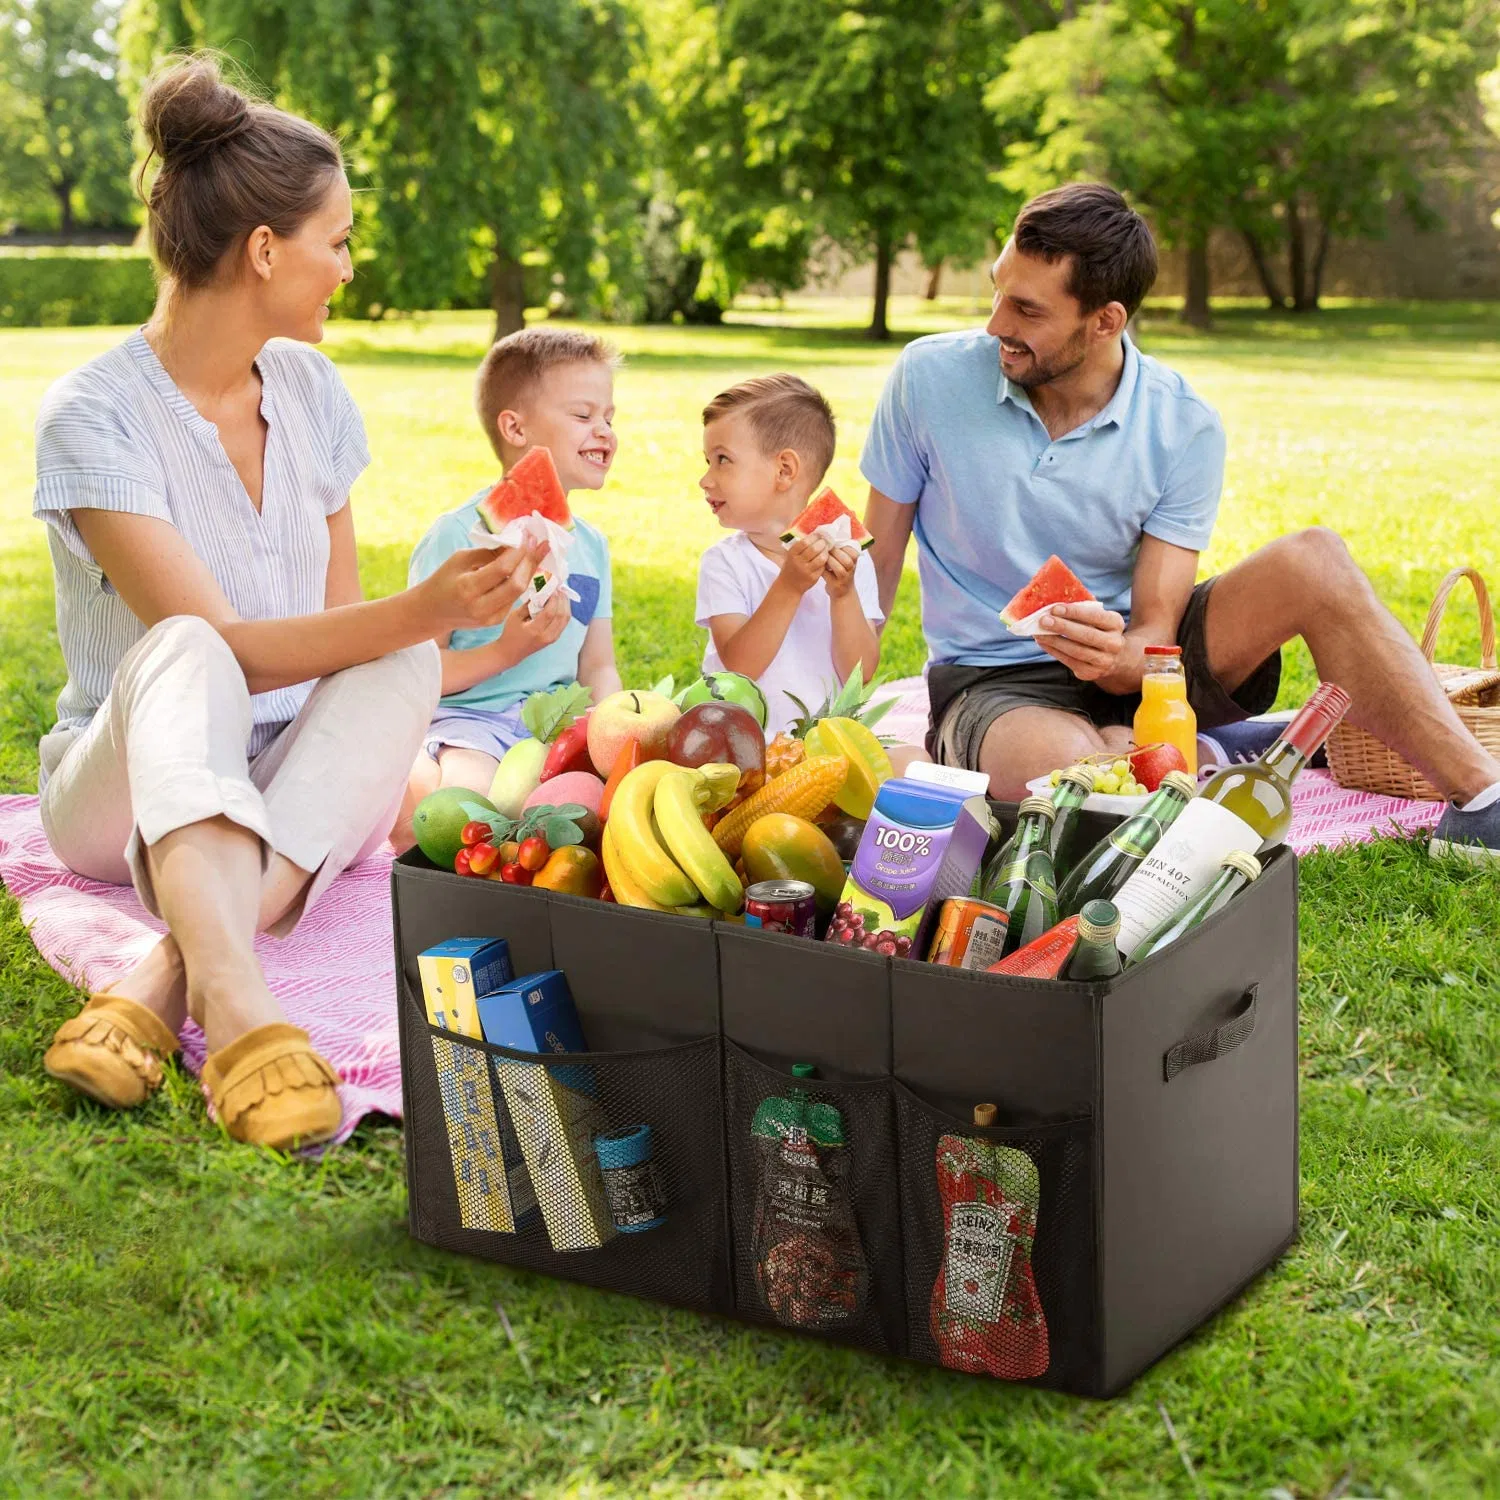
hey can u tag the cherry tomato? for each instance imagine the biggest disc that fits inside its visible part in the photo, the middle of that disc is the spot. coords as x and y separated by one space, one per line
508 851
605 894
474 833
461 862
516 874
534 853
482 858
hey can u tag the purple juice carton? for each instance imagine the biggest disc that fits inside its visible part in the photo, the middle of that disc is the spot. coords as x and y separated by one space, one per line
923 843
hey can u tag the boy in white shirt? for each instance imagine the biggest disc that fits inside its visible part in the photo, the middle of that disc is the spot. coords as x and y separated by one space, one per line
794 618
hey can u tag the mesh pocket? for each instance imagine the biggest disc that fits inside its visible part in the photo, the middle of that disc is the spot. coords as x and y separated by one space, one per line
999 1245
814 1204
600 1167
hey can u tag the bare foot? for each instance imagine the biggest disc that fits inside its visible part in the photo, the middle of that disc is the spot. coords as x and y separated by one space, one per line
159 982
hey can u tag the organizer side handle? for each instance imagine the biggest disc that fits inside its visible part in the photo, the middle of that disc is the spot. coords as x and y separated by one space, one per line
1208 1045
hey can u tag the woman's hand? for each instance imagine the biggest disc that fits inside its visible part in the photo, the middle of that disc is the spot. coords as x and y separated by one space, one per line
476 588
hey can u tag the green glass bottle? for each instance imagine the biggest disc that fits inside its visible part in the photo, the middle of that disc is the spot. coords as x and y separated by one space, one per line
1068 797
1095 956
1260 793
1236 871
1109 864
1023 887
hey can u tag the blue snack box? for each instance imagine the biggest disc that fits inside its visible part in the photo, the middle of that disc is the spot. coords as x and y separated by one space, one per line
532 1014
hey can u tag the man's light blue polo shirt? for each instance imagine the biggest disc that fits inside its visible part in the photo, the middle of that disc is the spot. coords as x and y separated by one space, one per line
995 496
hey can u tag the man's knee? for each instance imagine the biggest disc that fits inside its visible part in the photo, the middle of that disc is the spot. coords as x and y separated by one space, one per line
1318 554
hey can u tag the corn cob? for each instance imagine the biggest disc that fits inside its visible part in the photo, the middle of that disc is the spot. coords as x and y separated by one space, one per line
802 791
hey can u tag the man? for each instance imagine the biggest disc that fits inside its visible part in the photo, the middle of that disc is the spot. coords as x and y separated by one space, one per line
1048 431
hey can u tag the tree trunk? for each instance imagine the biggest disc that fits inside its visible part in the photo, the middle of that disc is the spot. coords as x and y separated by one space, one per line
934 280
63 192
507 294
1274 295
879 327
1296 243
1195 308
1320 259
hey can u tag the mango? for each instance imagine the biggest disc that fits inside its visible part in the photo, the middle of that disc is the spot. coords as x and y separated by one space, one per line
869 765
780 846
571 871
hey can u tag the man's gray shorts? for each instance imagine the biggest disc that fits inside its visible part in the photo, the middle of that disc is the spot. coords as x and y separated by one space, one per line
965 701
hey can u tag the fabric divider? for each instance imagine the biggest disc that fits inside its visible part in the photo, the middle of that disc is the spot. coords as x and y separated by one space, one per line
814 1203
997 1226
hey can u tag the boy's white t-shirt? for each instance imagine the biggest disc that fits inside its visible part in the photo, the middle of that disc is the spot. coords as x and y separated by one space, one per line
734 577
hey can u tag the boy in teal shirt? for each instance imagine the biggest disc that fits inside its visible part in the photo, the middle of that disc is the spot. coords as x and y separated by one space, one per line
541 387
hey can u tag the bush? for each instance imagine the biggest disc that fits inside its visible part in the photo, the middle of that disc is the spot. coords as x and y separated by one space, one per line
51 288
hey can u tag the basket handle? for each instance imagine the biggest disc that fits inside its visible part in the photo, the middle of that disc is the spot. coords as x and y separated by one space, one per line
1486 616
1208 1045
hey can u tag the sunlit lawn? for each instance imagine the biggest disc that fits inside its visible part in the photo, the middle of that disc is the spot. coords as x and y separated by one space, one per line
178 1317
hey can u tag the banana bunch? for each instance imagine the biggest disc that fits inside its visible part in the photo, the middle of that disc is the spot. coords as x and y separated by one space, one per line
657 852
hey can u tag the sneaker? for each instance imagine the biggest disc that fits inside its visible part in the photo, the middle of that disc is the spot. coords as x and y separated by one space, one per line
1247 740
1469 835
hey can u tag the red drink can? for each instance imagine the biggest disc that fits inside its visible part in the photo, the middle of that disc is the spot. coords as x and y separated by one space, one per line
782 906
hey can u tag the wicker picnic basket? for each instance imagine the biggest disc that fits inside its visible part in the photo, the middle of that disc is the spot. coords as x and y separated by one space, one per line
1360 761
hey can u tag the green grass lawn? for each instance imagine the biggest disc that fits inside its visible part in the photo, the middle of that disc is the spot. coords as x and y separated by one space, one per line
181 1317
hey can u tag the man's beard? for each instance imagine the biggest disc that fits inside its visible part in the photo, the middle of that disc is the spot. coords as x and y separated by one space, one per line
1064 362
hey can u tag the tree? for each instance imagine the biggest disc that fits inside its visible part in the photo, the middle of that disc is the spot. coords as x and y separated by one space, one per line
1292 123
64 124
486 135
862 124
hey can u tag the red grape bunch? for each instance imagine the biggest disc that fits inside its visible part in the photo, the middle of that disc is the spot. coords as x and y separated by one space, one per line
848 928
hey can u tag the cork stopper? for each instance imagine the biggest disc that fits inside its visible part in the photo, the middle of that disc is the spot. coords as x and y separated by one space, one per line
1181 781
1247 864
1039 805
1098 922
985 1114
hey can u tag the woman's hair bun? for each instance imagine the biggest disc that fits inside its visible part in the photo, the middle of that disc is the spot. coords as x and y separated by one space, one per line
188 109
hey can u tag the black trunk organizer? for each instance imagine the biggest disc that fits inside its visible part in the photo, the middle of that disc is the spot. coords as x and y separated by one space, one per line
1159 1108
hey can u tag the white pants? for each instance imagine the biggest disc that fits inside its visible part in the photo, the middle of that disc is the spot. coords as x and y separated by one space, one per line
168 748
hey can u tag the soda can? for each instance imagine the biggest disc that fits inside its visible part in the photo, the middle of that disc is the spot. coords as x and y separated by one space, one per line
782 906
970 934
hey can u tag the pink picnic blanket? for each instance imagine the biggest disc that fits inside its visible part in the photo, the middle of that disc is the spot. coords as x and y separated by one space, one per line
335 976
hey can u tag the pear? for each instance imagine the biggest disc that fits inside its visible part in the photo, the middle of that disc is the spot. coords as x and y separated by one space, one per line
517 776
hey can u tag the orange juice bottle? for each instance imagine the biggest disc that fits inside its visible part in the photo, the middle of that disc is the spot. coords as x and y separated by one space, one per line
1165 715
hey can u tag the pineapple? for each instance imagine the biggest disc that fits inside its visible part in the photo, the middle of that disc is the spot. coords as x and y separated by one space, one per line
847 702
783 753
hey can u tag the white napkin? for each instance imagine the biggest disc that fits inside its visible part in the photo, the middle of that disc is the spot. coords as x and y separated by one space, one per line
1028 626
837 533
530 531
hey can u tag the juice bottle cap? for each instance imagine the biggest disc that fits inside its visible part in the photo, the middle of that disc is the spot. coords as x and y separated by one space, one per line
1038 805
1181 781
1247 864
1161 650
985 1114
803 1070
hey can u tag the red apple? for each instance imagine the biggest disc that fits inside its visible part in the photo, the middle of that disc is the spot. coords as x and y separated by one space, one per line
721 733
630 715
1151 762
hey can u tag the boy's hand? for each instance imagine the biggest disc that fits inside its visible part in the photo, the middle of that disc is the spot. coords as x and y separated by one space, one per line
838 571
476 588
527 634
803 566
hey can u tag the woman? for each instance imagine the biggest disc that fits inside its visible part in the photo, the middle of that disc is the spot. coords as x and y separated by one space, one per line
237 724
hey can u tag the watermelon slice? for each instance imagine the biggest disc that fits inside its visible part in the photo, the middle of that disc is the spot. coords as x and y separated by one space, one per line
1052 583
826 509
532 486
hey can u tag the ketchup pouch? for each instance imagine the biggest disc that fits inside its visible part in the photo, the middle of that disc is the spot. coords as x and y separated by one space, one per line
986 1317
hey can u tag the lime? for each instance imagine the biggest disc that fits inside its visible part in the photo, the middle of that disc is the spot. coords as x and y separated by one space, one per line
439 821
